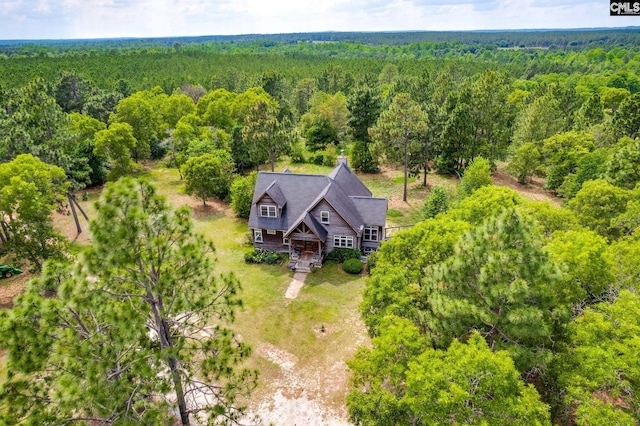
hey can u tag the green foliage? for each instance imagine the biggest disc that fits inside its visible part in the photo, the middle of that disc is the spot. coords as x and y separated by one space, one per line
626 120
116 143
525 163
362 158
142 111
352 266
625 255
456 145
393 288
327 157
29 191
398 130
379 374
590 113
264 256
128 337
562 152
600 370
492 115
401 378
175 107
372 261
437 202
340 255
590 166
265 136
297 154
623 168
628 222
242 195
538 120
550 218
586 266
477 175
209 175
597 205
471 384
84 128
485 202
500 282
320 134
364 105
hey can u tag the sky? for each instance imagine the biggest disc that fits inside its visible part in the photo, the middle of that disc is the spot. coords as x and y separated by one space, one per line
72 19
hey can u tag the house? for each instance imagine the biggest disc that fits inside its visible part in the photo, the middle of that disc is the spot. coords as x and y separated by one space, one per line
308 216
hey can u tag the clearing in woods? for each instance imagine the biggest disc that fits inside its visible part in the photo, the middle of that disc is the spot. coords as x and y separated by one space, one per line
300 343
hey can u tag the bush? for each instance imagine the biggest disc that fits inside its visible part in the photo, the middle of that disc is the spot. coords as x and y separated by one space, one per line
242 195
342 254
372 259
297 154
352 266
438 202
264 256
477 175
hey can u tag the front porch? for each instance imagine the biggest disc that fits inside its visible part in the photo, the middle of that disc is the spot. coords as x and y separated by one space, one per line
305 255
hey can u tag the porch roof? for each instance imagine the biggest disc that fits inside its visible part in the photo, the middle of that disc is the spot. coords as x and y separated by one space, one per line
314 226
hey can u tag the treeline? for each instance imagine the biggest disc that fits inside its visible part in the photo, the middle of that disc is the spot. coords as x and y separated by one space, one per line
574 38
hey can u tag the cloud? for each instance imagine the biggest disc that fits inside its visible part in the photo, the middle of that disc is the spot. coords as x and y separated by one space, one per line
152 18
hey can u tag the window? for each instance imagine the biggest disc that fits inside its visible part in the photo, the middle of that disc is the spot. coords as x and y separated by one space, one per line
257 235
324 217
285 241
271 231
370 233
268 211
342 241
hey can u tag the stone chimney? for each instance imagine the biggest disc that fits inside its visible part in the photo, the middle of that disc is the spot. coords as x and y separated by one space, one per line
342 159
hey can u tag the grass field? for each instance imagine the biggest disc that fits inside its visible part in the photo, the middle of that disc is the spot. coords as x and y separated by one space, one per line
313 334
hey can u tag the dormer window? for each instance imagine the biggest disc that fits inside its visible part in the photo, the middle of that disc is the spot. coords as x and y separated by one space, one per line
267 210
324 217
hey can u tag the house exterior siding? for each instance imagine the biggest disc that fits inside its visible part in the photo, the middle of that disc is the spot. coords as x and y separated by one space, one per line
271 242
337 225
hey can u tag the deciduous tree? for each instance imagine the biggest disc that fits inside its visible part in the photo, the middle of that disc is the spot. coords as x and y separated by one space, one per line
242 195
116 143
209 175
477 175
470 384
525 163
597 204
600 370
29 192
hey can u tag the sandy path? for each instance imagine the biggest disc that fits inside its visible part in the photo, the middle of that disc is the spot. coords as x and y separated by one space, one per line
296 284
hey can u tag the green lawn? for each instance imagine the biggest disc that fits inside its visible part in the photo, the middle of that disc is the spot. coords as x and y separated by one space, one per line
320 327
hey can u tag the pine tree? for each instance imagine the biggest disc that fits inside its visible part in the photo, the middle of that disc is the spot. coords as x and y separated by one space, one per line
500 282
137 329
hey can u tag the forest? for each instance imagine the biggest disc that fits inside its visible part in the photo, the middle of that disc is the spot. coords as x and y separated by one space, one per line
493 309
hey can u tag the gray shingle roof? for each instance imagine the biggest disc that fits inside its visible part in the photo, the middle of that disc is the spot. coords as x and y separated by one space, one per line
275 192
349 182
299 193
372 210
